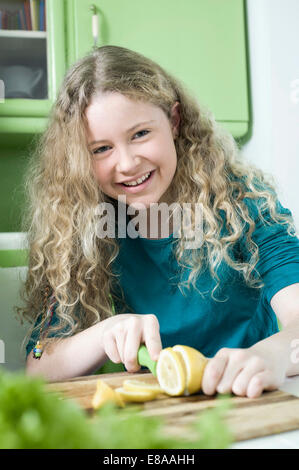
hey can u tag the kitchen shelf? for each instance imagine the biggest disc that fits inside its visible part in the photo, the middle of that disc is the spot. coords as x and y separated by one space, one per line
24 49
16 33
24 111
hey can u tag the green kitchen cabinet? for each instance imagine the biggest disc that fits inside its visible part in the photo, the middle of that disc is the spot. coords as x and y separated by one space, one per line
202 42
43 51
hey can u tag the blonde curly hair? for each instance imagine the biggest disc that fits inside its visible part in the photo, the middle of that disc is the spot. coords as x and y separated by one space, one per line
64 252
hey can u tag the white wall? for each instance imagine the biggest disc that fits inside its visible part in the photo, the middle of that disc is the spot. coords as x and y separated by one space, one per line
12 333
274 69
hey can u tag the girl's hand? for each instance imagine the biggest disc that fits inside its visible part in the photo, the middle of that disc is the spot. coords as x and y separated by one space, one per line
244 372
124 334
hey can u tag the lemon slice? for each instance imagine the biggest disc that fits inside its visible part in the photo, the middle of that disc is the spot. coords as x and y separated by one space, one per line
104 393
195 363
139 386
170 372
136 395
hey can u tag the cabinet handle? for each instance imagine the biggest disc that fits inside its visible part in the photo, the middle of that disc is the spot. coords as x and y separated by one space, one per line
94 25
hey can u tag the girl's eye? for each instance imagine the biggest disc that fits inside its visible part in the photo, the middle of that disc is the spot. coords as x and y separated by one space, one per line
100 149
105 147
143 132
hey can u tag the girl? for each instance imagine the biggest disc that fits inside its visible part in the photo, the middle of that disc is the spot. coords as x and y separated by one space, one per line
126 134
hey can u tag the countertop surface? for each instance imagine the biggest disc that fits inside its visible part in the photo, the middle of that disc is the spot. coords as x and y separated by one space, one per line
284 440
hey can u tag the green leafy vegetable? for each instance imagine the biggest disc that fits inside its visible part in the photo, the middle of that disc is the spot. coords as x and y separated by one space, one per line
33 418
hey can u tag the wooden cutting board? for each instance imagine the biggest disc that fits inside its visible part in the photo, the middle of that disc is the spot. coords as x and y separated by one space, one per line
248 418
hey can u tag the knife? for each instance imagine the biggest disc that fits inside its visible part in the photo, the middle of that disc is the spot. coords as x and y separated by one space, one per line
144 359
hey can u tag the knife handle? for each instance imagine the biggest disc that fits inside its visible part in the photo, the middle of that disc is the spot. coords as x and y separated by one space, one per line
144 359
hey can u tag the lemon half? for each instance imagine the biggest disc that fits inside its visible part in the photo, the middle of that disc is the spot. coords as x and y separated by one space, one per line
194 365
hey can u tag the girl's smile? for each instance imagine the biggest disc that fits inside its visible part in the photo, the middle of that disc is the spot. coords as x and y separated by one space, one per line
134 186
133 149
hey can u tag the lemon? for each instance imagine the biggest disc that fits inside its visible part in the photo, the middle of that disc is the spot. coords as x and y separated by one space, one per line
170 372
194 364
136 395
104 394
140 386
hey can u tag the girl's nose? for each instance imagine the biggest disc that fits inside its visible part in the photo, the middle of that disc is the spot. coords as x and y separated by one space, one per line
126 161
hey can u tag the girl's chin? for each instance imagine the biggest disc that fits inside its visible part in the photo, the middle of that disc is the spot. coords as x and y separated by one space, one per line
141 202
139 205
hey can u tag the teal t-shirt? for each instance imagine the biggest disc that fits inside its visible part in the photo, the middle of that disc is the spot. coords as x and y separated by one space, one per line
238 317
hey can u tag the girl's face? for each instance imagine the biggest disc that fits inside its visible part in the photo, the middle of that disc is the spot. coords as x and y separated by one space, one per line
133 148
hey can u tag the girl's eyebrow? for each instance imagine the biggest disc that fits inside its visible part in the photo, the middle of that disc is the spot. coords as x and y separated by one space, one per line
128 130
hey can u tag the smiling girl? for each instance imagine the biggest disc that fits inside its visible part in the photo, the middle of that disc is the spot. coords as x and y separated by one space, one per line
123 127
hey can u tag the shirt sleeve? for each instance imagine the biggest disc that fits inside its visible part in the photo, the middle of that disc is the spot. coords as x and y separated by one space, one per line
278 264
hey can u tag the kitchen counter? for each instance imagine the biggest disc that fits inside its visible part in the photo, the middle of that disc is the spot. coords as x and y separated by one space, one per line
284 440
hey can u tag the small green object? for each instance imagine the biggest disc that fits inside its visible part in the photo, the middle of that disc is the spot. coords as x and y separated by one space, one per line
144 359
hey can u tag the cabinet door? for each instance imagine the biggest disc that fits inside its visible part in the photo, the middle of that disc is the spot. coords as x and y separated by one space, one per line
202 42
39 52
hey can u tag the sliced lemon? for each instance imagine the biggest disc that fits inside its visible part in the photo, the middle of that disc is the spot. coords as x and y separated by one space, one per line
195 363
170 372
136 395
104 393
140 386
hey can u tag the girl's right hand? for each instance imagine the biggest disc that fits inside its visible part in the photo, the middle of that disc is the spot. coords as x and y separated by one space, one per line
123 335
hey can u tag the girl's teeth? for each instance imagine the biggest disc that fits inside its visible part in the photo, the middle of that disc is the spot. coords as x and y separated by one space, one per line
139 181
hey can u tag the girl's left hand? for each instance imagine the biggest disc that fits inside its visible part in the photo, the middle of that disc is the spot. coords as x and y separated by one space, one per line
244 372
